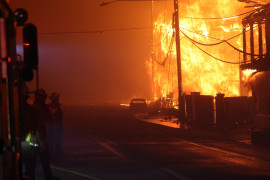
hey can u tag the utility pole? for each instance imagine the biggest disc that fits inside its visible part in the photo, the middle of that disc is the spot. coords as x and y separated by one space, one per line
181 98
152 51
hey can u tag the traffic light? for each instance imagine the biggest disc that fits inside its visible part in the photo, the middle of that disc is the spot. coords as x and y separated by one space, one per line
30 46
21 16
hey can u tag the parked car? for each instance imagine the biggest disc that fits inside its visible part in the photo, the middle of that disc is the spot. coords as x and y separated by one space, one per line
138 105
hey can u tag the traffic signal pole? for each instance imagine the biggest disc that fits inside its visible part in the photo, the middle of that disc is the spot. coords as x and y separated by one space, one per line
181 97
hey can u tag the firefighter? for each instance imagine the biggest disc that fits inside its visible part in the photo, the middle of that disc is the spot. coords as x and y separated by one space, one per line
45 118
57 121
29 143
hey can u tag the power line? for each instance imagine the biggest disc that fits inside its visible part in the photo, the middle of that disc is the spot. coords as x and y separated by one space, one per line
95 31
214 37
218 18
163 38
169 72
208 53
221 41
167 33
168 53
170 49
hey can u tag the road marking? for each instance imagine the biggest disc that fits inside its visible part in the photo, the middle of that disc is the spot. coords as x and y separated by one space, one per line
113 143
220 150
212 148
107 146
110 148
75 173
175 174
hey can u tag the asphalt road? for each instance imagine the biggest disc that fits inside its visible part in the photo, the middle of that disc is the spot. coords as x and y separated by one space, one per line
108 142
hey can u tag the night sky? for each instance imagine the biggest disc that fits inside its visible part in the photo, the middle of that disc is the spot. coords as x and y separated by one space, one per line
88 67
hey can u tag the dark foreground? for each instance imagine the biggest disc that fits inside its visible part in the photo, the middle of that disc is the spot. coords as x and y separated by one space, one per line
109 143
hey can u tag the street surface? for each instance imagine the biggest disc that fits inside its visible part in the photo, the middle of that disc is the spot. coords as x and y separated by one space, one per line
108 142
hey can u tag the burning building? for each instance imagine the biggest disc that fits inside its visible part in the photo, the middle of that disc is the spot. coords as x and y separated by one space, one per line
211 48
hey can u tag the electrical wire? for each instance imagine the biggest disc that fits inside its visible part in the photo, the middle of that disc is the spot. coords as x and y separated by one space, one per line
169 50
168 53
153 55
218 58
218 38
165 36
169 72
221 41
222 18
95 31
207 52
194 43
155 59
166 58
243 52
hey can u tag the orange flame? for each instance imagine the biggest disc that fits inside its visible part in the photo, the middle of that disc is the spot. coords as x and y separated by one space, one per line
247 73
200 72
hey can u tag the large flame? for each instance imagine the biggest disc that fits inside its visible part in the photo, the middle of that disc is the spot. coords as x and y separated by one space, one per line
200 72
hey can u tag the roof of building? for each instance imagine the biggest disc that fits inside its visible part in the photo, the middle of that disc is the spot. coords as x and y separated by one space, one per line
258 16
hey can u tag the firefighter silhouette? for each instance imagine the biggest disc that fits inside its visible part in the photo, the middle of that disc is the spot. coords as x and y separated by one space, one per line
29 143
57 123
45 117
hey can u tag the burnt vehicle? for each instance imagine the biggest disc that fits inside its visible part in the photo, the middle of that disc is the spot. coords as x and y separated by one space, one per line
138 105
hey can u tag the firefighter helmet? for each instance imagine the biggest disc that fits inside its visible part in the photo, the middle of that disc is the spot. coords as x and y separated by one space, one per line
40 93
54 96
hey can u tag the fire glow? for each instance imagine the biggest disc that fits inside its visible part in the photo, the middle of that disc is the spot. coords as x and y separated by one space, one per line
200 72
247 73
